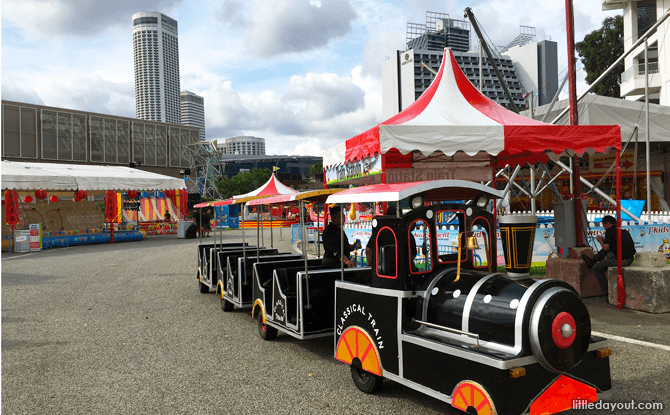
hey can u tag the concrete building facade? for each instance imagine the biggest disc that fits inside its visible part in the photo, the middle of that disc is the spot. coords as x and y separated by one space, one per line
38 133
193 111
638 17
156 56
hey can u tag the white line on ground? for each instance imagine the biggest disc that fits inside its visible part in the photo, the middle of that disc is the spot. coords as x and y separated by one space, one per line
633 341
19 255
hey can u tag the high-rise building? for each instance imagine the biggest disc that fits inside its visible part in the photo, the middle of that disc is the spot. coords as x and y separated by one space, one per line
243 146
439 32
193 111
638 18
525 67
156 50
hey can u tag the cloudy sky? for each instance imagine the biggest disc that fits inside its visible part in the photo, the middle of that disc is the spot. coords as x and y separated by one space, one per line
303 74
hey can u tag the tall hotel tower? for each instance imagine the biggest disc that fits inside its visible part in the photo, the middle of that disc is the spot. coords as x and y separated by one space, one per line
156 52
193 111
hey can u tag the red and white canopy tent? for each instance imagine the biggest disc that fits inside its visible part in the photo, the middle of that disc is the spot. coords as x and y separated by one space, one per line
453 122
273 187
452 131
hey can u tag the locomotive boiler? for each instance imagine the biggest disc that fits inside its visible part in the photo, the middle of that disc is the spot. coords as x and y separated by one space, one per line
438 318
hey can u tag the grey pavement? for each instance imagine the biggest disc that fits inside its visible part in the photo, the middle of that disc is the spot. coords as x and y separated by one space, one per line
122 329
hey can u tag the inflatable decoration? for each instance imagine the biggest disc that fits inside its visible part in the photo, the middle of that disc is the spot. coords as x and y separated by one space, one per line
12 207
41 194
27 199
53 199
80 194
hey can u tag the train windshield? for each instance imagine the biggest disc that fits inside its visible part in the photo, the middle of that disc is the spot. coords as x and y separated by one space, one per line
450 224
420 249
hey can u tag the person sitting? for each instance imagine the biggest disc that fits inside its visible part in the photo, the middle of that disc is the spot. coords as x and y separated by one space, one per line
332 241
607 256
167 217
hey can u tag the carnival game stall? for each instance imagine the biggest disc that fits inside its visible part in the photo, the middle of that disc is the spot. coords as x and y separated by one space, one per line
54 201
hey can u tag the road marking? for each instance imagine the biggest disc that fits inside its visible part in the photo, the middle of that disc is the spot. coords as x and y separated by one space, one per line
633 341
19 255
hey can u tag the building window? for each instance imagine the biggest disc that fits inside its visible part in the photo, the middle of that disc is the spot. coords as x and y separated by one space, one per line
63 136
19 132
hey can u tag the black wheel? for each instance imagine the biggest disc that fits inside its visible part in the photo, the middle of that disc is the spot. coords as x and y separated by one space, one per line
365 381
266 332
203 288
226 305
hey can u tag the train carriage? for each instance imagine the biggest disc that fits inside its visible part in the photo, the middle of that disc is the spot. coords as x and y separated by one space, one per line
296 297
208 265
443 322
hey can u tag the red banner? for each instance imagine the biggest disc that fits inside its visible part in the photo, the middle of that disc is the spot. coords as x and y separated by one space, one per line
111 208
11 207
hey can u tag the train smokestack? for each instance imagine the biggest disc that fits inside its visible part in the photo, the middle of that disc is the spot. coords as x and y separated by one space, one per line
518 235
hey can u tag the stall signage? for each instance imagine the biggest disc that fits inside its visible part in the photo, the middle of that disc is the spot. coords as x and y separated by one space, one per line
601 163
451 171
354 169
35 236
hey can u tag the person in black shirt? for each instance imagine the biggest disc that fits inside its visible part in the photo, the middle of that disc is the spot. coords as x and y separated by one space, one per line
332 241
606 257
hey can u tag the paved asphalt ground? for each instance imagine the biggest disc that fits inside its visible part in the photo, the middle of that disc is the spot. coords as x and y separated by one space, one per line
122 329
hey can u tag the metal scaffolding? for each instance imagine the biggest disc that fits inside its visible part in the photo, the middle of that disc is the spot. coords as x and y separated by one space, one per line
204 160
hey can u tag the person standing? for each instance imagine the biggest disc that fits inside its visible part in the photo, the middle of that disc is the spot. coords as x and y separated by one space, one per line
607 256
332 241
207 222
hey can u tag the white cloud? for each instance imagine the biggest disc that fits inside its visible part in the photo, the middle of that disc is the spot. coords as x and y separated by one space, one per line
276 28
13 92
77 17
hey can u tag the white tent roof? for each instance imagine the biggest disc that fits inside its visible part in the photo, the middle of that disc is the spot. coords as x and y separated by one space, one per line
600 110
52 176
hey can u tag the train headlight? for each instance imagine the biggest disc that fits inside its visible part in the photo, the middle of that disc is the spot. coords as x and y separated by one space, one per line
417 202
481 201
606 352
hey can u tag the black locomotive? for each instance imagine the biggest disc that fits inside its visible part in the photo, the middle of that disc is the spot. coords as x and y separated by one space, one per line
432 313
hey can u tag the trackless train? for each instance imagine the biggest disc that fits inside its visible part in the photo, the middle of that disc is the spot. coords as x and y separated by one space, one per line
431 313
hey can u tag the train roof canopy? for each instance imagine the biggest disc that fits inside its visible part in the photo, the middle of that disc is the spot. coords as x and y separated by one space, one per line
314 195
431 190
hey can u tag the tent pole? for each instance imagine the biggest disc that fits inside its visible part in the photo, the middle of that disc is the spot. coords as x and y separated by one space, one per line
574 119
635 194
621 294
244 250
646 100
532 189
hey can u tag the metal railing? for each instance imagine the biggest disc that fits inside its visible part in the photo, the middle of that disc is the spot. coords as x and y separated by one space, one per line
638 70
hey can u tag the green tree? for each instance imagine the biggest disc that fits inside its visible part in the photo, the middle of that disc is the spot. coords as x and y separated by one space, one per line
316 169
243 182
599 50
